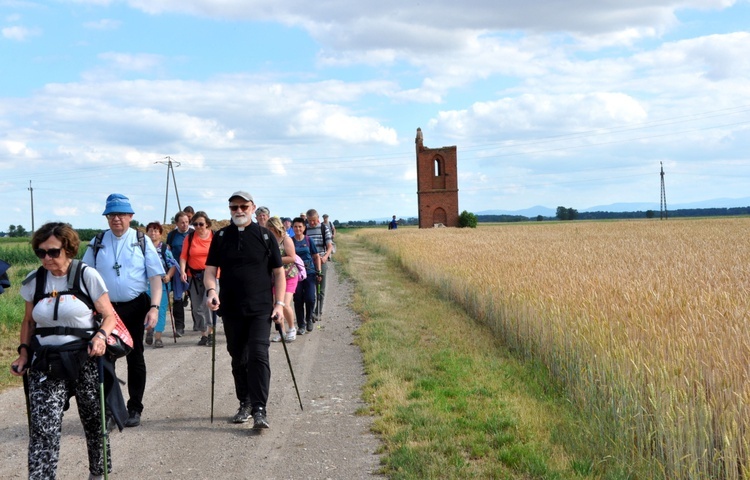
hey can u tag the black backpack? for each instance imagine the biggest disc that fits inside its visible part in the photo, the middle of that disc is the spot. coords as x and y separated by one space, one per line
97 245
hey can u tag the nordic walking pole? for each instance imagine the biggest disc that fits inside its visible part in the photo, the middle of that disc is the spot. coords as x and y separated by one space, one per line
213 360
318 303
171 315
105 434
283 342
26 396
25 393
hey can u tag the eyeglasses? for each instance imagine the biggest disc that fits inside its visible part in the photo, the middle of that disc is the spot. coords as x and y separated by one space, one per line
199 224
241 207
52 252
112 216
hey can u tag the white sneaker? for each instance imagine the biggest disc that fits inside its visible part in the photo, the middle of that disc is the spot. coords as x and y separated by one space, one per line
276 338
291 335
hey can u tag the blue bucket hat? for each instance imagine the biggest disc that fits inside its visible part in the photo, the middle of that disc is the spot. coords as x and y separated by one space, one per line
117 203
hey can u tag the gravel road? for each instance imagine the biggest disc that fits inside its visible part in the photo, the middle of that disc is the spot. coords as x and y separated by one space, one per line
176 439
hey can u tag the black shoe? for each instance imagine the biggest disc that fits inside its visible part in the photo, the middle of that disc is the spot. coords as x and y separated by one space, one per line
310 327
203 340
149 337
259 419
301 330
210 341
243 414
180 332
134 419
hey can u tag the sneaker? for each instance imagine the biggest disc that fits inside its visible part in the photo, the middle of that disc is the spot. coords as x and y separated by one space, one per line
211 340
260 420
301 330
203 340
291 335
158 343
180 332
134 419
310 327
243 414
95 477
149 337
276 338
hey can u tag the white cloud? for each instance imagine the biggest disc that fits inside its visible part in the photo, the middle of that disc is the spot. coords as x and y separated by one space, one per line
20 34
142 62
103 24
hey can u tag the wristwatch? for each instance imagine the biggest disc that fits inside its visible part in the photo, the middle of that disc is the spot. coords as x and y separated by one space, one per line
155 306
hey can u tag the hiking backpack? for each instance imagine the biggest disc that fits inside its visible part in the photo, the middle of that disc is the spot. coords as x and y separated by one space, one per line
97 245
73 288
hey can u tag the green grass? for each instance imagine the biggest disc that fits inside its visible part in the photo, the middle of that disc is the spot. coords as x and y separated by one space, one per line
449 401
18 253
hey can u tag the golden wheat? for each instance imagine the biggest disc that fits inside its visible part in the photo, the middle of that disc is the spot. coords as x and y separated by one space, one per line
643 322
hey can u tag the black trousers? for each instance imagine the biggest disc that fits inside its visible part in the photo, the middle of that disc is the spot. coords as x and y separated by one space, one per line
247 344
178 312
133 314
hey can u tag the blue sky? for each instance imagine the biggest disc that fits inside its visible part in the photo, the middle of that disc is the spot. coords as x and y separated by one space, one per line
316 104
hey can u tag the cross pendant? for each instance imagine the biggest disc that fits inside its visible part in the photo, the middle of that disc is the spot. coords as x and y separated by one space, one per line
117 267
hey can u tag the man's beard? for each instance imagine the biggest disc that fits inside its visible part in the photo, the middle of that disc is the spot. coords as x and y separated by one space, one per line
240 220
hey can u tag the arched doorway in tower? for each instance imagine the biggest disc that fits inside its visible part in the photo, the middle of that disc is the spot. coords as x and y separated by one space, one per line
439 216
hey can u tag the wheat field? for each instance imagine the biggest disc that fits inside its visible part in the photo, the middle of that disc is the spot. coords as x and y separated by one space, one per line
644 323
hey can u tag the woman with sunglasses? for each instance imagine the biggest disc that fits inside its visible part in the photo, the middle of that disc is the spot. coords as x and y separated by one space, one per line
52 384
192 266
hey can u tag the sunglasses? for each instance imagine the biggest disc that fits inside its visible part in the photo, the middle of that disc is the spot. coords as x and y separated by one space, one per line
241 207
112 216
52 252
199 224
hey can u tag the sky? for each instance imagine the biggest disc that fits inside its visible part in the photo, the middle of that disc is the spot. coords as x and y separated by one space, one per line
316 104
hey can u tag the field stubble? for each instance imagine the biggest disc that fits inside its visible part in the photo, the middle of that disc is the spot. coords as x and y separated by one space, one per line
644 323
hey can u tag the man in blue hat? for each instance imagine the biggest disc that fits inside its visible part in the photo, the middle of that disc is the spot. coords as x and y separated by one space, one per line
129 265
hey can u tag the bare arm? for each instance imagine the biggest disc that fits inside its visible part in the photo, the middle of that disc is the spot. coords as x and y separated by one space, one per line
104 306
279 283
153 313
28 326
209 280
289 250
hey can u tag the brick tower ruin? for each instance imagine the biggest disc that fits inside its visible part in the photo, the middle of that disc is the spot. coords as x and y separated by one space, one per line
437 185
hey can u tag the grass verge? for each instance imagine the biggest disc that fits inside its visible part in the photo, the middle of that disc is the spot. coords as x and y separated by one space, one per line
449 401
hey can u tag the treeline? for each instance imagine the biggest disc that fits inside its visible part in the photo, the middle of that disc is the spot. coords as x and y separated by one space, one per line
683 212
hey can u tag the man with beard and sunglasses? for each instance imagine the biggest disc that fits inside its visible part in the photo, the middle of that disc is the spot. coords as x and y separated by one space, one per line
250 263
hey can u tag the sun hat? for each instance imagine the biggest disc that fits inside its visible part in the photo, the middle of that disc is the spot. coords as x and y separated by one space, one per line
242 194
117 203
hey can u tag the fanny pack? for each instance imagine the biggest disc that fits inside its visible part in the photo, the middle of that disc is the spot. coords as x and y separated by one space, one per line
59 362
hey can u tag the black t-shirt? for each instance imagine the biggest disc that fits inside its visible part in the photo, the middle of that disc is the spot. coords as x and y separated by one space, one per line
246 259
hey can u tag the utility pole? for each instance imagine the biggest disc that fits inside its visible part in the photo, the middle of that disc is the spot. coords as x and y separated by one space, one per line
170 168
663 205
31 190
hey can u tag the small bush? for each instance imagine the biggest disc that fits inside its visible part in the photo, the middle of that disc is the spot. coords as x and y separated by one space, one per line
467 219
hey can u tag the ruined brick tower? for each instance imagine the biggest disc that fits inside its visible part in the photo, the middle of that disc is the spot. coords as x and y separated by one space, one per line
437 185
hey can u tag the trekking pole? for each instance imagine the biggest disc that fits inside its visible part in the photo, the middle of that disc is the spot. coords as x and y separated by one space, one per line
283 342
105 434
213 360
318 303
25 393
171 315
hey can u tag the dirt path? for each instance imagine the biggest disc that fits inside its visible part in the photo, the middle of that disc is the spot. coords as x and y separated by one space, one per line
177 441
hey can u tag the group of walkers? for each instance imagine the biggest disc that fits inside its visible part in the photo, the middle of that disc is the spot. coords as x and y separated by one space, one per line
248 273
